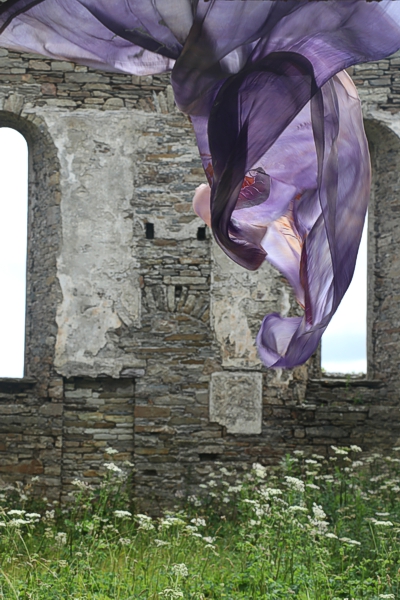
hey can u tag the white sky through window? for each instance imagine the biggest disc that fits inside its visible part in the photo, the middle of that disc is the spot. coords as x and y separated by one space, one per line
344 343
13 241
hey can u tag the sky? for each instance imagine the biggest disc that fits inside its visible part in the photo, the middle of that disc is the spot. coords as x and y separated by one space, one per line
343 344
13 236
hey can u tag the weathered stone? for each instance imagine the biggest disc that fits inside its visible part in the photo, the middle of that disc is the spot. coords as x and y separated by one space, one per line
325 431
236 401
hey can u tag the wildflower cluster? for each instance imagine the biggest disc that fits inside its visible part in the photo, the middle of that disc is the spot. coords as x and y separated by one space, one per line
312 527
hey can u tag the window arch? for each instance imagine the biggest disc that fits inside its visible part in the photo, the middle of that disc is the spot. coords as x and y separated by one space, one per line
13 245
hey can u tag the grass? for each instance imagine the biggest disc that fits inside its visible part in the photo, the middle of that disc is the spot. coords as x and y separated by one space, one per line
314 528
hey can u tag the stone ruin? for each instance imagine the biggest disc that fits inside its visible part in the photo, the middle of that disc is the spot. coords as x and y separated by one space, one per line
140 331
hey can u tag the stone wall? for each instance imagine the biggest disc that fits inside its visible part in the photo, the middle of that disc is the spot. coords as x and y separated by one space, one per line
31 434
140 332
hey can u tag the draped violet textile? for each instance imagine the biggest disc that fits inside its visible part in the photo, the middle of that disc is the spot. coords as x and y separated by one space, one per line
277 120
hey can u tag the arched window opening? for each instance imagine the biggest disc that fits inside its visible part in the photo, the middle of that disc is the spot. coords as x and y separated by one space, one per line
344 343
13 244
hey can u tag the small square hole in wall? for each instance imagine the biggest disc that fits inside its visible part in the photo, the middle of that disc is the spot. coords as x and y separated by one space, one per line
201 233
149 231
209 456
178 291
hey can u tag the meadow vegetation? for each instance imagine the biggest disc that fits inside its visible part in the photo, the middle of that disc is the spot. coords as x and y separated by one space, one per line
314 528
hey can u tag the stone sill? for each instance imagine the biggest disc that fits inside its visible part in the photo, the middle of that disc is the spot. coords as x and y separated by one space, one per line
11 384
352 381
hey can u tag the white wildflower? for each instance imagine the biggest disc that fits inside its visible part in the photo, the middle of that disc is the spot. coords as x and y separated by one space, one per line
340 451
312 486
122 514
2 524
110 451
171 522
198 535
33 516
310 461
140 517
212 548
113 467
330 535
382 514
377 478
125 541
386 596
248 501
295 484
224 471
347 540
145 522
48 533
358 463
200 522
382 523
268 492
259 470
281 501
61 538
318 456
180 570
160 543
63 563
18 513
49 515
82 485
171 593
235 488
18 522
226 499
298 452
209 540
194 500
320 526
296 508
146 526
318 512
355 448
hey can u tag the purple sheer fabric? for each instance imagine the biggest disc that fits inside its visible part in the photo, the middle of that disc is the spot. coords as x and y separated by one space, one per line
278 123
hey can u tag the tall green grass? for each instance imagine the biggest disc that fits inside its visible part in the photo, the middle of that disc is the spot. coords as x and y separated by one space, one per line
313 528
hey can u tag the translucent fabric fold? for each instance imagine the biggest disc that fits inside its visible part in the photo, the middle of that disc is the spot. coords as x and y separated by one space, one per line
277 120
